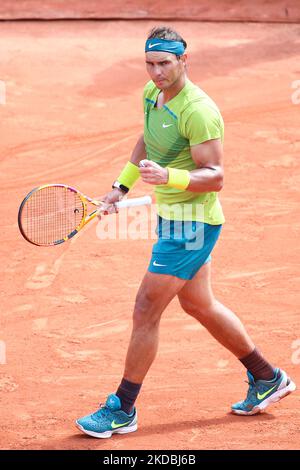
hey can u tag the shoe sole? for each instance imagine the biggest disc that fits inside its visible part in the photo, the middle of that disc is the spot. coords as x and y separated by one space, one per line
107 434
277 396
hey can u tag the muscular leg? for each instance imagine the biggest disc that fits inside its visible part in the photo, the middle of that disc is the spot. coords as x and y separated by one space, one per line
155 293
197 299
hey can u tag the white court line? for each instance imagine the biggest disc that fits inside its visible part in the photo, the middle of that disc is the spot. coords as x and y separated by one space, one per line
73 163
254 273
102 324
44 275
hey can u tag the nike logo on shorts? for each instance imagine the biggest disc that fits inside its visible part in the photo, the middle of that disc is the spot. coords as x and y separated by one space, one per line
157 264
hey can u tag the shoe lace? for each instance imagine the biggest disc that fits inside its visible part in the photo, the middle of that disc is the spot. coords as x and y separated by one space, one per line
251 391
102 411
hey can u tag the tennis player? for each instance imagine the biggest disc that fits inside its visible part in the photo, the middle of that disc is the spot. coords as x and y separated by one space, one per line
180 153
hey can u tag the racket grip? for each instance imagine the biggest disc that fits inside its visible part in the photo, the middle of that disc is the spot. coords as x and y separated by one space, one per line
137 201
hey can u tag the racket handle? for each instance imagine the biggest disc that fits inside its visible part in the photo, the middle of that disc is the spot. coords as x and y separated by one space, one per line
136 201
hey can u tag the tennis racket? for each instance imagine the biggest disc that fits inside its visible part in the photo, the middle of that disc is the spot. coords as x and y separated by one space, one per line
54 213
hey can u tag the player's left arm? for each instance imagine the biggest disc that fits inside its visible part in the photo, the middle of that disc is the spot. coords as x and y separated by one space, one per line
209 174
207 177
202 127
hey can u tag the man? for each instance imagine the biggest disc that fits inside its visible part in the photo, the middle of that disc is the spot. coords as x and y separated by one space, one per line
180 152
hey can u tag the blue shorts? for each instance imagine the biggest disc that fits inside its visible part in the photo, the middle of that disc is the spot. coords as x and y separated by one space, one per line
182 247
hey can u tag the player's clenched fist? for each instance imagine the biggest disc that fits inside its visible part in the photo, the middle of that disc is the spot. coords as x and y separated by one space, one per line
153 173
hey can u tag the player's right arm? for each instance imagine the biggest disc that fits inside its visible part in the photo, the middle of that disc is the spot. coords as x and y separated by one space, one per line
139 151
138 154
116 194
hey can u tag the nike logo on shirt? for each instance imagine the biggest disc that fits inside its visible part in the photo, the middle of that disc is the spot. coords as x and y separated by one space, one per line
166 125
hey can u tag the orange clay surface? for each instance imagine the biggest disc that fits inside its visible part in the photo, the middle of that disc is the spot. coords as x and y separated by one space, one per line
73 113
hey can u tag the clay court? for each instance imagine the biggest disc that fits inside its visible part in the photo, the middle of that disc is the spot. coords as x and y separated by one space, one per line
72 115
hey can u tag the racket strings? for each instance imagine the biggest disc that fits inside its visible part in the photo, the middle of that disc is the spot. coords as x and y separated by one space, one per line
51 214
